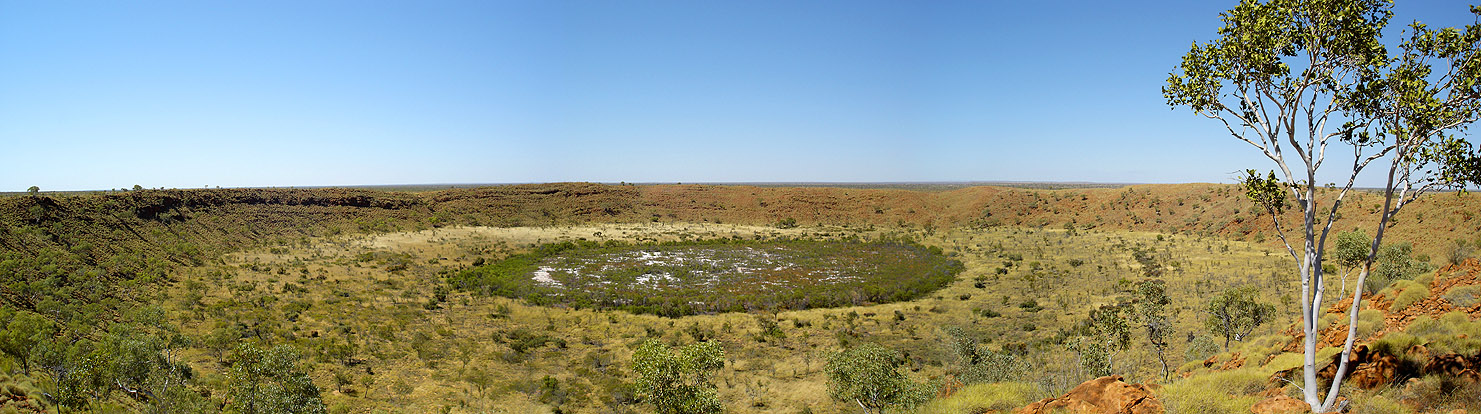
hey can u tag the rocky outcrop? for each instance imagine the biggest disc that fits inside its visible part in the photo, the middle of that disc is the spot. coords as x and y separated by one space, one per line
1367 369
1107 395
1280 404
1457 365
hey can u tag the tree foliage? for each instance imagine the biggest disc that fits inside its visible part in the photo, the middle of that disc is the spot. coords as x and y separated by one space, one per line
1291 77
1236 312
1395 262
679 382
868 376
269 380
1103 335
23 331
1151 313
978 364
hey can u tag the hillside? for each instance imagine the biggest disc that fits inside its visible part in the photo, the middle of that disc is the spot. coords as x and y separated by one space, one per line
196 274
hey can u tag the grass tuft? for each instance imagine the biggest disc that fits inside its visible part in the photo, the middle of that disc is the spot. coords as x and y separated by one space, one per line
981 398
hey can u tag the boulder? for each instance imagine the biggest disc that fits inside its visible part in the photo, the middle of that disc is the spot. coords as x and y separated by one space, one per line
1455 365
1280 404
1367 369
1104 395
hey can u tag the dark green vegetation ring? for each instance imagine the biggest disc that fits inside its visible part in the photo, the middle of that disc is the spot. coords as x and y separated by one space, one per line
723 275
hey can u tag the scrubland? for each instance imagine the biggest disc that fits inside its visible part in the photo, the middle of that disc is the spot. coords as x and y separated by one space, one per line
362 286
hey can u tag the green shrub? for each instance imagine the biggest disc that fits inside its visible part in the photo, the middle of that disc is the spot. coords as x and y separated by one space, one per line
976 363
1395 343
1395 263
1439 392
1444 335
1379 404
270 381
679 382
1408 297
867 375
1369 322
1464 296
1202 347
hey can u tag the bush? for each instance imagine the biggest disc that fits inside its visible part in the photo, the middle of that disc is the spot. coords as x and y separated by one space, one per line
867 375
1464 296
679 382
1408 297
976 363
1201 347
1439 392
1395 263
270 381
1369 321
1395 343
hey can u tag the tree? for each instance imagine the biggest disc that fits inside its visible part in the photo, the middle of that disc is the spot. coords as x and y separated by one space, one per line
1290 77
33 190
867 375
978 364
270 381
682 382
1237 312
1151 313
23 331
1105 333
1395 262
1352 251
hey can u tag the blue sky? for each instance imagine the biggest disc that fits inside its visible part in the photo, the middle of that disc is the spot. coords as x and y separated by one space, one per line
98 95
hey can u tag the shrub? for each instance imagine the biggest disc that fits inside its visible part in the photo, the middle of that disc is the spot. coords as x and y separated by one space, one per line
1464 296
1408 297
1201 347
977 364
868 376
270 381
1395 343
1438 392
1369 321
679 382
1236 312
1395 263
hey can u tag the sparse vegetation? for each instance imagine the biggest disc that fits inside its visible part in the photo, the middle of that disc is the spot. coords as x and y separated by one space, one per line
371 312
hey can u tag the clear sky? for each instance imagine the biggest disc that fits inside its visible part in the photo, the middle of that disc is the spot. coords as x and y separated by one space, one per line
109 94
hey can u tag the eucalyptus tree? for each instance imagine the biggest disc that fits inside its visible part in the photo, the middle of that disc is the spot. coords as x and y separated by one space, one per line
1292 77
679 382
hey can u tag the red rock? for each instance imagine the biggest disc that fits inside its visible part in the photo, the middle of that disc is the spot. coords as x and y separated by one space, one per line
1104 395
1366 369
1280 405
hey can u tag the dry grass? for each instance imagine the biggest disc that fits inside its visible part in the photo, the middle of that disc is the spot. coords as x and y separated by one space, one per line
363 308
